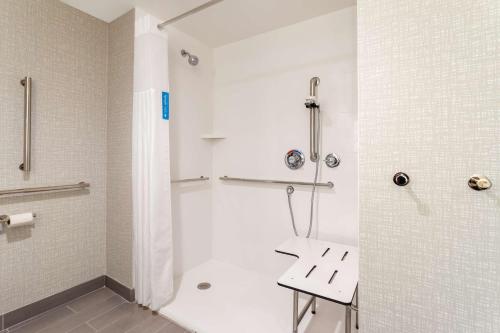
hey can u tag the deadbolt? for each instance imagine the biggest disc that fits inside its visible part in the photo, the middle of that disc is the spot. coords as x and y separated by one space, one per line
401 179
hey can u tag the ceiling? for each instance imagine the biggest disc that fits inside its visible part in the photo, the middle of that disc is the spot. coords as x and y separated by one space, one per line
223 23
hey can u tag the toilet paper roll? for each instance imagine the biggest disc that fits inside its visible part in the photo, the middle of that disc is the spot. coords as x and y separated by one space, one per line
20 220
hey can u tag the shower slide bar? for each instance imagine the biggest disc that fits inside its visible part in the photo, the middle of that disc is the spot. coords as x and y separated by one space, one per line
186 180
46 189
268 181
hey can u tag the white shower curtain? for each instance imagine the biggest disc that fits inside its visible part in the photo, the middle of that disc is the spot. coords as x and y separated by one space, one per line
153 267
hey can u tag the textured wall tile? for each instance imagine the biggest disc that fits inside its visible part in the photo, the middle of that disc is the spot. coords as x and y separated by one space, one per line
65 52
119 166
429 106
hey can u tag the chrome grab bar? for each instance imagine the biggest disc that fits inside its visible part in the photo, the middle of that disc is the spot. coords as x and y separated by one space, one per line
26 165
267 181
186 180
46 189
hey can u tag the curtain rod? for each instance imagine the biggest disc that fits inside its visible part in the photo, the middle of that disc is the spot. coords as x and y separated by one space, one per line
208 4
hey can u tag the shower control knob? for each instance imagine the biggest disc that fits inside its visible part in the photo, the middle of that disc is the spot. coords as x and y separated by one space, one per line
332 160
294 159
401 179
479 183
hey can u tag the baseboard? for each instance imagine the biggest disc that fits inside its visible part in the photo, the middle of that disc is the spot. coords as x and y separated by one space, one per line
120 289
26 312
34 309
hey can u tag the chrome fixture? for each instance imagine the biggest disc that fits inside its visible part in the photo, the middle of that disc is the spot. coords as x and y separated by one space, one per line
5 219
401 179
192 59
46 189
297 317
267 181
314 130
294 159
479 183
332 160
314 120
289 191
26 165
208 4
186 180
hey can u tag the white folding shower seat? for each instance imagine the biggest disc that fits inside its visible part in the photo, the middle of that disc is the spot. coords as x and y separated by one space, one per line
323 269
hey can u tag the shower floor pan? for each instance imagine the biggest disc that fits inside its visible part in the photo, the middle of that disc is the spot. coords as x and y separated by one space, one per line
242 301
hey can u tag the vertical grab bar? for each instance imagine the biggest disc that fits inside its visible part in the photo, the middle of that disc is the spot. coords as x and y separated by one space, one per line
26 165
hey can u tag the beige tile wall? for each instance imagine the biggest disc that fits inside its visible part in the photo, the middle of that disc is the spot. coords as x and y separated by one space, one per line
429 106
65 52
119 167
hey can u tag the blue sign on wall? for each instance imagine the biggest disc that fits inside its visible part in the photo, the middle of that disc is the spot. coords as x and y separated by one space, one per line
165 105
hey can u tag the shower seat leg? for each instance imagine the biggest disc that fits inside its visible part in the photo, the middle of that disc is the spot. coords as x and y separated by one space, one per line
348 319
295 311
313 306
357 310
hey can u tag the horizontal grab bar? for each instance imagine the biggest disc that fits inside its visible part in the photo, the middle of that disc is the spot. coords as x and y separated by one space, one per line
46 189
190 180
267 181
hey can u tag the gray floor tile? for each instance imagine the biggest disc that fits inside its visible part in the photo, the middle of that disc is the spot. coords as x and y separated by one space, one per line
172 328
150 325
90 300
79 318
44 320
83 329
125 309
101 311
135 317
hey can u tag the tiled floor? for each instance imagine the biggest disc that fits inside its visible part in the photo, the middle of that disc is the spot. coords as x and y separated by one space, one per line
101 311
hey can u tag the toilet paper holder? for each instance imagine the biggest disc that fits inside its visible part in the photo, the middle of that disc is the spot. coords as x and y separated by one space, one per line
5 219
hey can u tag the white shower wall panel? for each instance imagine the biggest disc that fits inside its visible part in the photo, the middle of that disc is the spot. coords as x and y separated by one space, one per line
191 101
260 87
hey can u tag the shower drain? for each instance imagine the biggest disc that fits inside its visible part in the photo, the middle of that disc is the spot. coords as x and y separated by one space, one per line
204 285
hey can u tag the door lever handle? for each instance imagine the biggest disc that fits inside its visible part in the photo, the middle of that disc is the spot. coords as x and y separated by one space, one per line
479 183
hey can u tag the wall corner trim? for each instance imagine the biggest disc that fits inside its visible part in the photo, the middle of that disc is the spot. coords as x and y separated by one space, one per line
120 289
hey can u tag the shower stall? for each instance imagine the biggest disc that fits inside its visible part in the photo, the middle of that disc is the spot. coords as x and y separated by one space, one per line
246 103
206 167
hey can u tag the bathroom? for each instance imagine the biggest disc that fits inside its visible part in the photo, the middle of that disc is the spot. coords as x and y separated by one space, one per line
171 166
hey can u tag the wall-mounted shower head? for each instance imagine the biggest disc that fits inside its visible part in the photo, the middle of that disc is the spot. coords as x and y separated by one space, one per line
192 59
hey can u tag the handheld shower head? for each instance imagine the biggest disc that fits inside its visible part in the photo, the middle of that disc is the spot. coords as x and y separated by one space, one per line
312 100
192 59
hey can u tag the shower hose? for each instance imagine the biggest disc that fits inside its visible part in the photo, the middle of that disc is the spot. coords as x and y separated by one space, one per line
289 192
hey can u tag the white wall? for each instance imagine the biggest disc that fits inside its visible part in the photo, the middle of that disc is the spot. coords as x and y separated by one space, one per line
191 98
260 87
65 52
429 106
